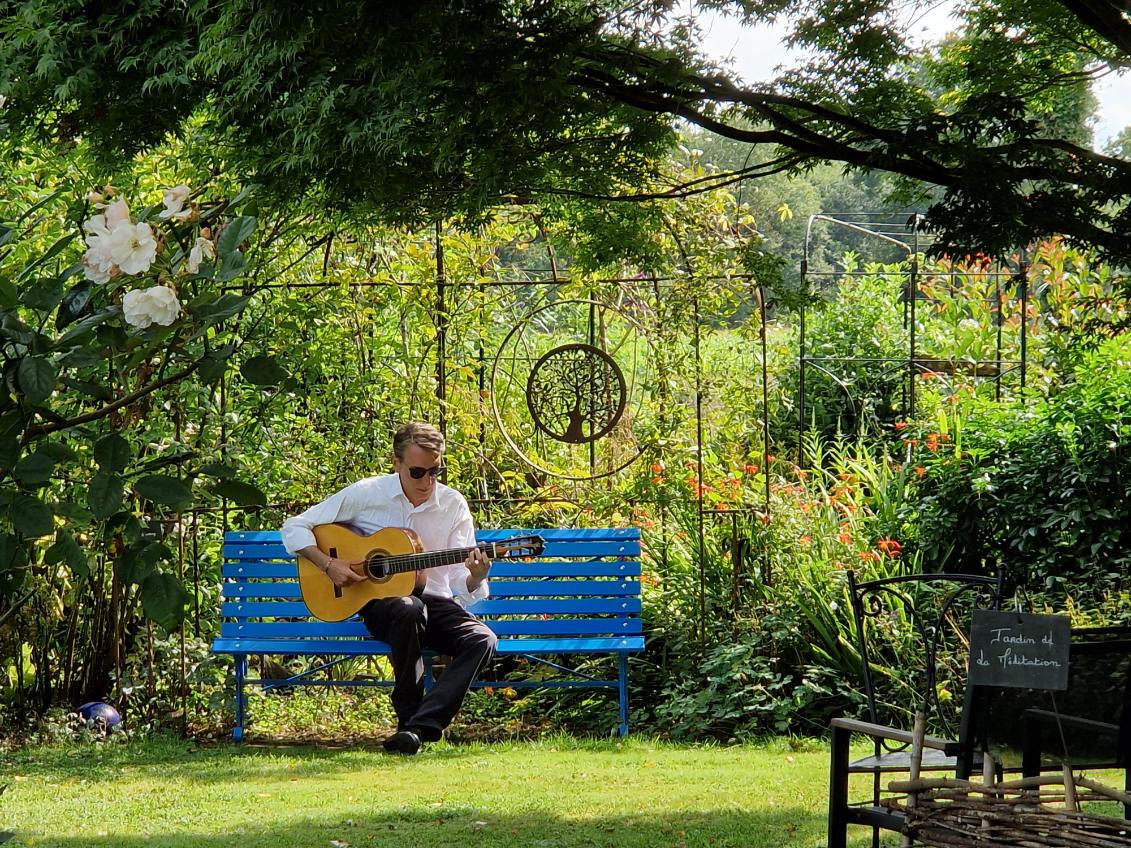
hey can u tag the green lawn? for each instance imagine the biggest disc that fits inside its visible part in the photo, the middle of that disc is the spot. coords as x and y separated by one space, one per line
560 792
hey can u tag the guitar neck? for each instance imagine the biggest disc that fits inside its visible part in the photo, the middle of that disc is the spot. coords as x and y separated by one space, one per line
430 559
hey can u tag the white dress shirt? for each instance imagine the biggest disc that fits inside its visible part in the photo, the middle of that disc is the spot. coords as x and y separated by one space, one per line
442 522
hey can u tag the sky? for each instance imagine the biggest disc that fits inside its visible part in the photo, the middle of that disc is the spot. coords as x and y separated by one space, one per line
755 53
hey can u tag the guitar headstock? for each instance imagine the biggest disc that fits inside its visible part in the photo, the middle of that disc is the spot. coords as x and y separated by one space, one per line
519 546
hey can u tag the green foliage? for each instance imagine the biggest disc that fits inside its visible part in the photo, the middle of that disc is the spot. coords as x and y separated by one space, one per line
81 373
1040 488
853 383
744 691
358 107
550 99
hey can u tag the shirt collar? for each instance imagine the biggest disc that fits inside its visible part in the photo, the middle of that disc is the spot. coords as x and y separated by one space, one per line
392 483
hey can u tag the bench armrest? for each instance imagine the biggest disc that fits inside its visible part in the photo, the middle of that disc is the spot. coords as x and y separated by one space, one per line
879 731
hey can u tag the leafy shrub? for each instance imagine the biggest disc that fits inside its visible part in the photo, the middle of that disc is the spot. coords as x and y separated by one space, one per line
1040 488
739 691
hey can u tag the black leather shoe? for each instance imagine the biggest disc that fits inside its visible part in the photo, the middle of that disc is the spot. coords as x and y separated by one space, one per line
402 742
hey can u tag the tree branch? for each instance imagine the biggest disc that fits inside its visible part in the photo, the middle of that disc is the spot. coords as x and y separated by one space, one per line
1105 19
126 400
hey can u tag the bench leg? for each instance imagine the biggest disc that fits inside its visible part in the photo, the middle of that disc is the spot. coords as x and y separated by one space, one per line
241 674
838 789
622 683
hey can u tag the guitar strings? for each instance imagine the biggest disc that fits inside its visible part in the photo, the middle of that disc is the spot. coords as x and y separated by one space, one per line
401 563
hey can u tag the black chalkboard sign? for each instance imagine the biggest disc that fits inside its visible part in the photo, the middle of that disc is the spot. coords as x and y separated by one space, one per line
1019 650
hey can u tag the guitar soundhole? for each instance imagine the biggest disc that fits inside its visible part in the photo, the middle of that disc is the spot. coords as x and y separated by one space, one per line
375 565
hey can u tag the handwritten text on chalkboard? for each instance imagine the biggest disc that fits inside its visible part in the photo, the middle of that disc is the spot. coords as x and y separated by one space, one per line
1019 650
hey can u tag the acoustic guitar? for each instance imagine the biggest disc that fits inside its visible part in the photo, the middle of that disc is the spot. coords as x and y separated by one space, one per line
389 559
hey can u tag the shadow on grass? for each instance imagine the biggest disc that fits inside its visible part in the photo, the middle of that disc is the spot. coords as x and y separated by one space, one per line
202 763
463 826
251 762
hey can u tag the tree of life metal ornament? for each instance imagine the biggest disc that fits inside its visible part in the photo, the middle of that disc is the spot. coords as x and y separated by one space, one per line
576 393
541 347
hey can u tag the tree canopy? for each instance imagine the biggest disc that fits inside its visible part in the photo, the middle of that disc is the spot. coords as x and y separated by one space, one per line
418 111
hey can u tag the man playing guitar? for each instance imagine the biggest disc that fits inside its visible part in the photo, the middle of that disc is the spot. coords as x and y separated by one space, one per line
433 616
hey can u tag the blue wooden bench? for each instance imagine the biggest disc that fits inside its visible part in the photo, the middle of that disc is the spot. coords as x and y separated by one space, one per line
581 596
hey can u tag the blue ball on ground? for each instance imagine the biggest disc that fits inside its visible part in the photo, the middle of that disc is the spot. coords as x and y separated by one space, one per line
100 715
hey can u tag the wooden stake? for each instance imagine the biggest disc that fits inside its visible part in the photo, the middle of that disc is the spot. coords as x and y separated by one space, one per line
917 735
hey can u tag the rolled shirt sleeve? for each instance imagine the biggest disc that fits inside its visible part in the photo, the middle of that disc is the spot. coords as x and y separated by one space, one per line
463 536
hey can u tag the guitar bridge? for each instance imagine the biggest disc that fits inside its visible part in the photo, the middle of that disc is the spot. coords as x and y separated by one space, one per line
337 589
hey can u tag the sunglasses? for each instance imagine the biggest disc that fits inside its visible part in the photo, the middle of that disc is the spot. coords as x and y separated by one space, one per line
416 471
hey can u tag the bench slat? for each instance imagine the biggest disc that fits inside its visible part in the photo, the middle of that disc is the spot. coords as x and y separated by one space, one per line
501 568
247 589
560 588
258 551
562 606
484 534
502 627
488 607
361 647
248 570
499 588
541 568
615 644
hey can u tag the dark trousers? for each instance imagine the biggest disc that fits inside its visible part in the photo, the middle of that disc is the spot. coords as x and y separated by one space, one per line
412 624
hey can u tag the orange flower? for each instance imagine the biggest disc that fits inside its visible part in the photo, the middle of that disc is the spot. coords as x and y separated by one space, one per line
901 425
750 468
844 538
890 547
805 540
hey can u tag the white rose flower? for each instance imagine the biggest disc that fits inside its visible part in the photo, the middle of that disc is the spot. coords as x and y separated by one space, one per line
132 247
203 249
96 226
97 262
105 222
174 201
145 307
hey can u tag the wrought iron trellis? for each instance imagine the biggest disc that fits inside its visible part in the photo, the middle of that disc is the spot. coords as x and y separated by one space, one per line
908 241
744 555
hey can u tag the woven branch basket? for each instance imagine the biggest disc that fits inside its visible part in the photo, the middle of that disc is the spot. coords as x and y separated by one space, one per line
1027 813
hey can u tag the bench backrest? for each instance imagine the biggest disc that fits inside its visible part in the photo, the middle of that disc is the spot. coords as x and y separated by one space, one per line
586 583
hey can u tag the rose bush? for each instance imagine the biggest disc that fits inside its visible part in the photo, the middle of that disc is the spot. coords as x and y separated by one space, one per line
90 345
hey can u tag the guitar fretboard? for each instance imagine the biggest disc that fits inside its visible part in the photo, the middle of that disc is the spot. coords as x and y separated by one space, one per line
429 559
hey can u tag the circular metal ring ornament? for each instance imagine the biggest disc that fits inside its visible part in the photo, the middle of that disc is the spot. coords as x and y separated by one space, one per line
601 363
576 393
